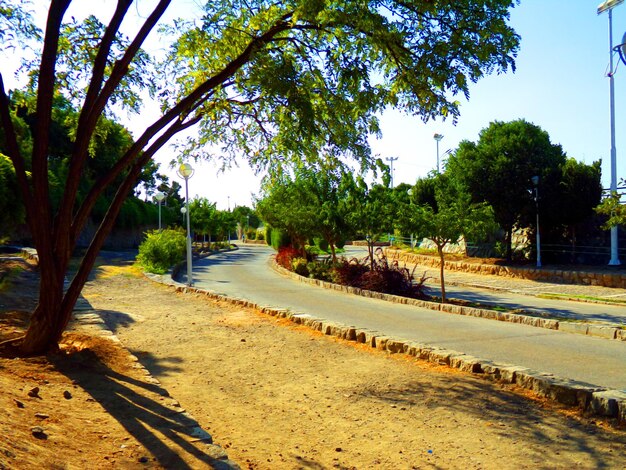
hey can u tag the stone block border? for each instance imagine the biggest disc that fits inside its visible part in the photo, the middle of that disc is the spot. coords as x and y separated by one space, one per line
588 398
606 279
591 329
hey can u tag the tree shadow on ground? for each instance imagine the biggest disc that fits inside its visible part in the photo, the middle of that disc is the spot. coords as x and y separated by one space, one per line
146 411
512 416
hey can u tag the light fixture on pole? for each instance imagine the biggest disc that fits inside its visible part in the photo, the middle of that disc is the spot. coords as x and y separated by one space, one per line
186 171
608 5
438 138
159 196
535 180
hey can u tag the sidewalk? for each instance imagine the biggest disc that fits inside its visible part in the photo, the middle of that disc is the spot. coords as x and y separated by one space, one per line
525 286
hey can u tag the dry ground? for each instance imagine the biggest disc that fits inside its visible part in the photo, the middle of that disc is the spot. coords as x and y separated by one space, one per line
274 395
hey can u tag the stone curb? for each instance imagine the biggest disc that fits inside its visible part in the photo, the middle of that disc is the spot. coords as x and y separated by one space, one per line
589 398
590 329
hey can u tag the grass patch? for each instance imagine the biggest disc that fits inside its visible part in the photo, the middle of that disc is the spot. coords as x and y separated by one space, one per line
587 298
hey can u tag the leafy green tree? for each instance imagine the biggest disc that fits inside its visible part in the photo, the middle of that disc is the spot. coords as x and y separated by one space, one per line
204 217
451 217
289 207
614 209
373 210
277 81
498 169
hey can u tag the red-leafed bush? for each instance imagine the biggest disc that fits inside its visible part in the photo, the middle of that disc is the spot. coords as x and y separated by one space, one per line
286 255
379 276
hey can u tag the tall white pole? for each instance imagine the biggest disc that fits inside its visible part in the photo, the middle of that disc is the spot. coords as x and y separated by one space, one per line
189 267
614 234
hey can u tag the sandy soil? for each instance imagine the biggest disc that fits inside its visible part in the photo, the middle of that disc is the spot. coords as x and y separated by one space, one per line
277 396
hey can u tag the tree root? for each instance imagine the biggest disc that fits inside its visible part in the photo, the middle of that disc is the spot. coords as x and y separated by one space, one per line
11 348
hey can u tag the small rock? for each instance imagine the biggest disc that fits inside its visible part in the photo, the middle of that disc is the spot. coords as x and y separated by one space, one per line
143 459
338 449
67 395
41 415
38 432
18 403
34 392
243 340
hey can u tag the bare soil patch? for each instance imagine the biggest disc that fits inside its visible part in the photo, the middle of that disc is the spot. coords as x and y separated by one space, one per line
275 395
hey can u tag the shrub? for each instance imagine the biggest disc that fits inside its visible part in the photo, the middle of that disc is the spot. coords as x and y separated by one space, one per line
381 277
286 255
279 239
162 249
349 272
299 266
321 270
251 234
321 243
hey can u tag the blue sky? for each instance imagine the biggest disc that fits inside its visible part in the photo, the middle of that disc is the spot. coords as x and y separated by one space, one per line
560 85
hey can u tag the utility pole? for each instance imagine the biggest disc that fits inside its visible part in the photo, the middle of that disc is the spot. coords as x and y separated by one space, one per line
391 160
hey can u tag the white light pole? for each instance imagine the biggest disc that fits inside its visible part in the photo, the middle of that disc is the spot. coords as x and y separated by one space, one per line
186 171
608 5
535 180
438 138
159 196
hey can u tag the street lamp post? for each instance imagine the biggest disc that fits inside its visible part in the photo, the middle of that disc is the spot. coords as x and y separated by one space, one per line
438 138
535 180
186 171
159 196
608 5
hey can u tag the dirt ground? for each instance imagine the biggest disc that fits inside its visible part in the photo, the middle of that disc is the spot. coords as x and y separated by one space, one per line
272 394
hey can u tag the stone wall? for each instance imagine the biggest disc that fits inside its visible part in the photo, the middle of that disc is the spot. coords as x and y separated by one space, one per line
565 276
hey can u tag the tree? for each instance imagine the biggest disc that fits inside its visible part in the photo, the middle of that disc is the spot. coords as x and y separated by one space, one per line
277 81
614 209
498 169
204 217
289 207
373 209
451 217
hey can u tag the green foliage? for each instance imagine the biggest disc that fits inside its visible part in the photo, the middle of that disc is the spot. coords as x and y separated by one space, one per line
498 170
279 239
11 207
321 269
300 266
308 71
614 209
161 250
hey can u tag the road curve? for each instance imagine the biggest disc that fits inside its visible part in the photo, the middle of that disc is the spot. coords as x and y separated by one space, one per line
246 274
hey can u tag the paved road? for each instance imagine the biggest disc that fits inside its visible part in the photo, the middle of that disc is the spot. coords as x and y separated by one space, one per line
245 273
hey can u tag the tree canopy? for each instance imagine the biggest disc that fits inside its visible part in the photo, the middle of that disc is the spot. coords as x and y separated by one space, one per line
277 82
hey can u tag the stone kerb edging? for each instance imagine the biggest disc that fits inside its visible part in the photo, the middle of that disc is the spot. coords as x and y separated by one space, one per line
590 398
553 275
593 399
590 329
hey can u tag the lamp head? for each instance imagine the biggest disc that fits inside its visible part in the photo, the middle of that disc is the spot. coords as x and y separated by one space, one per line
159 196
185 170
608 5
535 180
438 137
183 210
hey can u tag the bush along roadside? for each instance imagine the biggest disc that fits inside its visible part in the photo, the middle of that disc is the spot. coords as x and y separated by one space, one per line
161 250
378 275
